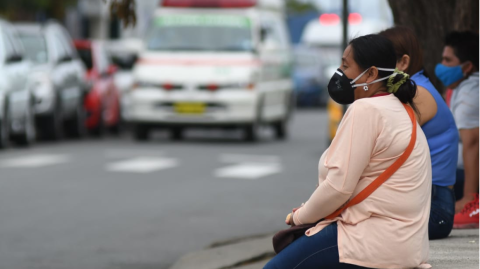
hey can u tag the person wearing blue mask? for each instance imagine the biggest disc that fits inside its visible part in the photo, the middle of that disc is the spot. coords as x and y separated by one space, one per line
438 125
459 71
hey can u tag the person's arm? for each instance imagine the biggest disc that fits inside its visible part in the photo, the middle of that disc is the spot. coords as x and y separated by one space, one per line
426 105
470 159
348 156
467 120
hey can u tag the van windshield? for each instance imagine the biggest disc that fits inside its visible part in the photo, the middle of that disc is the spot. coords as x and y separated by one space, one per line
200 33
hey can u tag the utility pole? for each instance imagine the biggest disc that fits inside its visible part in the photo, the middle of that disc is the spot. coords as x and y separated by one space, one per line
345 34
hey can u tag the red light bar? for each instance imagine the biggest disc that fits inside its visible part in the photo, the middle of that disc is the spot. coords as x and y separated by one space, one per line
210 3
329 19
354 18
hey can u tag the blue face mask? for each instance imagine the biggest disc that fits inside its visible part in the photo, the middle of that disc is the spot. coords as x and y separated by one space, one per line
448 75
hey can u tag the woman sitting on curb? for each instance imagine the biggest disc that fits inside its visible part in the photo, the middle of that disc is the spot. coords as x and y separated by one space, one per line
389 228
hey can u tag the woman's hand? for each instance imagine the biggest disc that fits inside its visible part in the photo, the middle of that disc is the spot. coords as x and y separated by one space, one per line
289 219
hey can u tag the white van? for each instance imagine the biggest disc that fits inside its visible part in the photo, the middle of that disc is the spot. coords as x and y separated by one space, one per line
216 63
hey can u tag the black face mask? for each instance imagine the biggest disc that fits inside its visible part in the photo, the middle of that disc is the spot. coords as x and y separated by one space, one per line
342 89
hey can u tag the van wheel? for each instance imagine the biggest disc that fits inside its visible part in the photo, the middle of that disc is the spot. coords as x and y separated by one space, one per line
281 129
176 133
251 132
140 132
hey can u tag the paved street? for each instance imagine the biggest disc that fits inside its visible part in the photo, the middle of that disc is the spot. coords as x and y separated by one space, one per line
115 203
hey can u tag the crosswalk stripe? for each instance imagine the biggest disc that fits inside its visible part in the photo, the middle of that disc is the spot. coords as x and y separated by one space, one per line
249 171
238 158
34 161
142 165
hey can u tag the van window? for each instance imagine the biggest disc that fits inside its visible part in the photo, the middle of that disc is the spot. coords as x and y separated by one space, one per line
272 35
200 33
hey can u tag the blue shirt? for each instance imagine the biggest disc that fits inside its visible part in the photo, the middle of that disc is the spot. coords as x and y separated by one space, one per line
442 136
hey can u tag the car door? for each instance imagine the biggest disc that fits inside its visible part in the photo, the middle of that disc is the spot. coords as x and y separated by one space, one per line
59 74
17 69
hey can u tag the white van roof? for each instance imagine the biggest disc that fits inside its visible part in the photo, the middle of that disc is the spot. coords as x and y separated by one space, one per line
317 34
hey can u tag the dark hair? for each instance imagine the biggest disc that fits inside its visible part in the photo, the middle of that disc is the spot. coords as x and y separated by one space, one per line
404 42
465 46
378 51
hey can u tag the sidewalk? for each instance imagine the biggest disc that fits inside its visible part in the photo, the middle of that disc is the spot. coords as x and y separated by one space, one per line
459 250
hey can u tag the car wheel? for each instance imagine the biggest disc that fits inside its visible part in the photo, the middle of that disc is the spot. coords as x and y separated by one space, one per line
141 132
176 133
117 128
99 130
5 129
52 128
29 134
76 126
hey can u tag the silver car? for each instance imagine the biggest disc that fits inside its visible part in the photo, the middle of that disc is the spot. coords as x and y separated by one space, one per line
17 119
59 78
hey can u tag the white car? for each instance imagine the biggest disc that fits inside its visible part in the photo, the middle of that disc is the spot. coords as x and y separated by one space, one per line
59 79
214 66
17 115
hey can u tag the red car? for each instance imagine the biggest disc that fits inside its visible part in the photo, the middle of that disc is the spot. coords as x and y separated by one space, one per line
102 103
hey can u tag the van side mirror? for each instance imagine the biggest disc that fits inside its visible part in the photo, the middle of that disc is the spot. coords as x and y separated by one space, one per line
263 34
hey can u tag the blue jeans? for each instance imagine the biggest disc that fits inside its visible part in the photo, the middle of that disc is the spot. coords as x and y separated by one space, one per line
442 212
315 252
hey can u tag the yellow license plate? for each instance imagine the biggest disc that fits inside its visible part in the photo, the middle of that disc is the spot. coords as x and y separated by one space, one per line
190 108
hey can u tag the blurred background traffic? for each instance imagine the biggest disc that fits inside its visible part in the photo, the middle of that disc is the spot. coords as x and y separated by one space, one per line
71 68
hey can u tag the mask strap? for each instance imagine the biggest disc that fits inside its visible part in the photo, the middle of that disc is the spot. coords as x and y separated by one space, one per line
375 81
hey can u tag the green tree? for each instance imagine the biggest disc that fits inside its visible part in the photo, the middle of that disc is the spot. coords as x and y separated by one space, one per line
27 9
296 6
432 20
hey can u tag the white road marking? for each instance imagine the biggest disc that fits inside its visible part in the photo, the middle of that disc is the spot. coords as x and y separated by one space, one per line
242 158
34 161
127 153
249 171
142 165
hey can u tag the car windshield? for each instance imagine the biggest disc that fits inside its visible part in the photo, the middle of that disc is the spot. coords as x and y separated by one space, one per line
200 33
86 56
35 48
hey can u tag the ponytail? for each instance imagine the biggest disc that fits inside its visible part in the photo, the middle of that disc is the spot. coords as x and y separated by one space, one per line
403 88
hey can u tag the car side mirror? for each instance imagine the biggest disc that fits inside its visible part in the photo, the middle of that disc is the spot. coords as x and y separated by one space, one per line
65 59
14 58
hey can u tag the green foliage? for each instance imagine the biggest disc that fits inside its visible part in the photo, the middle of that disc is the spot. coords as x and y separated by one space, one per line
298 6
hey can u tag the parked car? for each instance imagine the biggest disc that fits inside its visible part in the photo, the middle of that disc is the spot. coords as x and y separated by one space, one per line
59 76
103 100
17 119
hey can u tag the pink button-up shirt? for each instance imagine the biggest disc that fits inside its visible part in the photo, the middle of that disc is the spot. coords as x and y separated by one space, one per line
389 229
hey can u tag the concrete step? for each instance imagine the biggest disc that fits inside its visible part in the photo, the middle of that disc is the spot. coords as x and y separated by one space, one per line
228 256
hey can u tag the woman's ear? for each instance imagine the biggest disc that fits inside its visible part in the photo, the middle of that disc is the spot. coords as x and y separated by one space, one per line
403 63
372 74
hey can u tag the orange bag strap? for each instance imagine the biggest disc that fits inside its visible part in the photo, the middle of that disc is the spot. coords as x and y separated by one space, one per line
387 173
